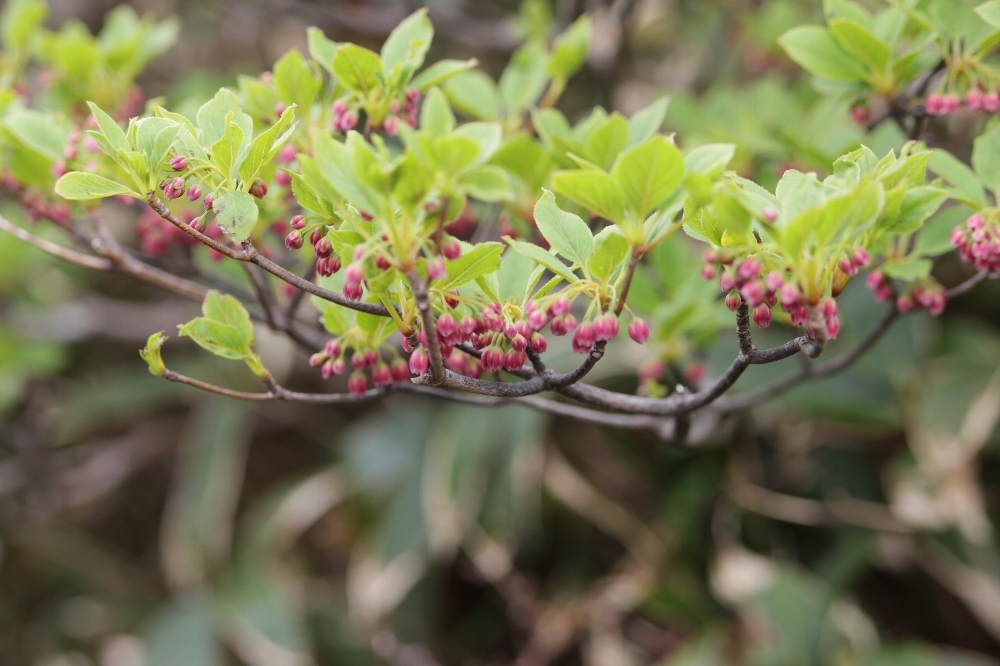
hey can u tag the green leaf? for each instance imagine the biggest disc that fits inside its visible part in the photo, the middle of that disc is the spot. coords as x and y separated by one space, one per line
610 249
114 134
266 146
815 49
487 183
236 213
593 190
322 49
543 258
219 339
436 117
644 124
908 269
357 68
295 80
569 51
225 309
151 354
212 117
454 154
337 320
648 174
37 131
482 260
857 41
607 141
82 186
440 72
523 80
986 158
919 204
226 151
990 12
710 159
968 187
935 237
184 632
408 42
20 20
565 232
474 94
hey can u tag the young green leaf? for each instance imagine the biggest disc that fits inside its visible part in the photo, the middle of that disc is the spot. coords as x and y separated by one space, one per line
482 260
357 68
565 232
264 148
236 213
19 21
543 258
524 78
225 309
111 130
295 80
487 183
408 42
440 72
225 329
986 158
82 186
593 190
607 141
644 124
151 354
815 49
990 12
569 51
226 151
610 249
967 186
857 41
322 48
436 117
473 94
648 174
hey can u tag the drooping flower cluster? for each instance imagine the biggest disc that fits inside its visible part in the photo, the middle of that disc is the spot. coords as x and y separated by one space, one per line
927 294
332 361
978 241
976 100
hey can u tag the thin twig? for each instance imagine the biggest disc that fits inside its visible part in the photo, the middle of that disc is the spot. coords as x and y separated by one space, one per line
629 274
70 256
419 287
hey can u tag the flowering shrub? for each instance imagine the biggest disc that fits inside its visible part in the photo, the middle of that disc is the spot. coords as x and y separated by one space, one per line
456 223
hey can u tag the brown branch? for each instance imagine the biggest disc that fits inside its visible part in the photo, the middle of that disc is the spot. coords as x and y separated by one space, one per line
630 273
419 287
58 251
250 254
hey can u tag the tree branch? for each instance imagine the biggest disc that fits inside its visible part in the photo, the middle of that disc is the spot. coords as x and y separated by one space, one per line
58 251
419 287
630 273
250 254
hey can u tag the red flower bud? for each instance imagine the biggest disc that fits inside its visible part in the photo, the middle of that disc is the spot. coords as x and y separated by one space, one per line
293 240
638 330
357 383
178 163
762 316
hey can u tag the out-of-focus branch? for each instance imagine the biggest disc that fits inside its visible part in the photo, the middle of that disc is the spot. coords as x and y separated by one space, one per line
58 251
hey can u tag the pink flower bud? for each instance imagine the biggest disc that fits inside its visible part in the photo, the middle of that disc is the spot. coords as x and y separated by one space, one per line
451 249
950 103
349 120
381 374
830 308
419 362
287 154
708 272
974 100
762 316
178 163
357 383
282 178
209 200
904 304
774 281
297 222
846 266
727 282
446 325
991 102
770 214
328 266
90 145
436 269
59 169
832 327
194 193
749 269
519 342
353 291
70 153
733 301
412 95
874 280
975 222
391 125
354 273
259 189
561 306
860 257
324 248
753 293
537 320
638 330
318 359
859 114
515 360
583 338
293 240
935 104
399 369
539 343
606 328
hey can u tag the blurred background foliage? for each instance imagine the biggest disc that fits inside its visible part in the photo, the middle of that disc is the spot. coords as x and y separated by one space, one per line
847 523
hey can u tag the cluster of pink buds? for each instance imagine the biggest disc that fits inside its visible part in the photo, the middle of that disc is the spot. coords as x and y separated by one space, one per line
258 189
173 188
354 275
344 118
851 263
881 285
927 295
562 321
404 111
715 261
745 283
332 362
464 364
976 100
602 329
157 236
978 242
